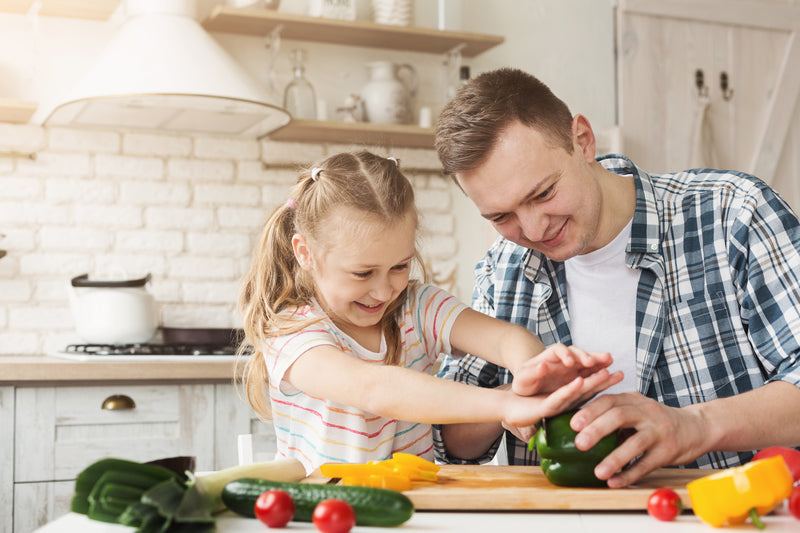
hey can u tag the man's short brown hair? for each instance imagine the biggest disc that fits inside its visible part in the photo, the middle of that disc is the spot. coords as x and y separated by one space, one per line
469 125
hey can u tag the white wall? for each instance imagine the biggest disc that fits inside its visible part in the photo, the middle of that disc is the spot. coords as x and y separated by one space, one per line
52 235
569 45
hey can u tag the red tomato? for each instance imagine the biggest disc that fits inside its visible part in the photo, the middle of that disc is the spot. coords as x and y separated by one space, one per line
790 455
664 505
275 508
794 502
333 516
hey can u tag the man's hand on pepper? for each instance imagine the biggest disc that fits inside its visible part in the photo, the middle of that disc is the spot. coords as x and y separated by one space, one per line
659 435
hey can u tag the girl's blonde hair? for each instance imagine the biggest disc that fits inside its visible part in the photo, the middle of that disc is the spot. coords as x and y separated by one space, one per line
275 285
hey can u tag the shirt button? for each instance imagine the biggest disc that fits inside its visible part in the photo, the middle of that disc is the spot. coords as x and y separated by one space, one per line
654 247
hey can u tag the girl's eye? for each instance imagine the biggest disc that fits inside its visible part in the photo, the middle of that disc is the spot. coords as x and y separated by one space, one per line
362 275
400 268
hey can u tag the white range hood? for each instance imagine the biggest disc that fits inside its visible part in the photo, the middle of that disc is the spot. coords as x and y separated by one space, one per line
162 71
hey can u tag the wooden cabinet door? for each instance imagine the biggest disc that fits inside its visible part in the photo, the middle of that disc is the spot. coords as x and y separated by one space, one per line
61 430
6 456
753 126
235 417
35 504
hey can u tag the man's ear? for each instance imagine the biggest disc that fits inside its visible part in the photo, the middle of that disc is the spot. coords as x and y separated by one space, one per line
302 252
583 138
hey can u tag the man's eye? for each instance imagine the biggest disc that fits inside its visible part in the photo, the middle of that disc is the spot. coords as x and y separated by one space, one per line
545 194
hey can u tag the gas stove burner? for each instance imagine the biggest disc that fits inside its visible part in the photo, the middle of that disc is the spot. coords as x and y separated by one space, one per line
151 349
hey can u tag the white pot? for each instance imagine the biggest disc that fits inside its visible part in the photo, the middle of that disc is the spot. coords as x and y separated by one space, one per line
113 312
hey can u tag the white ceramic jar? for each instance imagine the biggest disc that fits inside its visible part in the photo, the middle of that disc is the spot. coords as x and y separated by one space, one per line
387 99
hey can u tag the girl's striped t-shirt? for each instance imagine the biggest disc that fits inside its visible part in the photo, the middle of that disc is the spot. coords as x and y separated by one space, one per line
316 430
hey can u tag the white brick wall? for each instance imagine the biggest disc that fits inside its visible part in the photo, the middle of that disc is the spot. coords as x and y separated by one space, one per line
185 209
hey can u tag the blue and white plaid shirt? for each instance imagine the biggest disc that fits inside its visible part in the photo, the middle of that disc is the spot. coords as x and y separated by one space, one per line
718 303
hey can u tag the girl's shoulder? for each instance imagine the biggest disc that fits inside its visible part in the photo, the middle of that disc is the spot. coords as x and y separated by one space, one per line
421 294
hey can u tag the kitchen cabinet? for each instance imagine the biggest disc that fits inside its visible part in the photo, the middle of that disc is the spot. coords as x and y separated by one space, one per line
249 21
52 428
59 430
669 115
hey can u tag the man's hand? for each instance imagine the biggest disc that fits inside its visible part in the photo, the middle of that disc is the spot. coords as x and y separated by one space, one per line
555 367
661 435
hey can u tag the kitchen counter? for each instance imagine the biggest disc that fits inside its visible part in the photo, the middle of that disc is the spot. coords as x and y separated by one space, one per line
507 522
28 369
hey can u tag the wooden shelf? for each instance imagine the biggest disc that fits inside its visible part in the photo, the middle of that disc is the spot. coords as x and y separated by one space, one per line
251 21
16 111
82 9
355 133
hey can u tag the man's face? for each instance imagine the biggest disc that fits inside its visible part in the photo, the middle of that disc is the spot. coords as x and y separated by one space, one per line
536 194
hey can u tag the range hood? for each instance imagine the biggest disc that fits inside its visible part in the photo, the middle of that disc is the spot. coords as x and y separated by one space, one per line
162 71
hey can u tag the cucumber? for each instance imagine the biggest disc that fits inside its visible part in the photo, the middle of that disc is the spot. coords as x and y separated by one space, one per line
373 507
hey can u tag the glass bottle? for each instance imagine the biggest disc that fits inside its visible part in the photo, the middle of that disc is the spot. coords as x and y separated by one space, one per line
299 98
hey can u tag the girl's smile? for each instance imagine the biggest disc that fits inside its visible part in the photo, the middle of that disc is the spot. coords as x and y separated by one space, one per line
371 308
359 267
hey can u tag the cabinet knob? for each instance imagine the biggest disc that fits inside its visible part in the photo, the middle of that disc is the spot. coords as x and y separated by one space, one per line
118 402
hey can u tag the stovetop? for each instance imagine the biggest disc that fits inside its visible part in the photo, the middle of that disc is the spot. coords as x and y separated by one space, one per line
147 352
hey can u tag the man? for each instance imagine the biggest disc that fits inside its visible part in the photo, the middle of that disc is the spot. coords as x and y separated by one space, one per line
690 280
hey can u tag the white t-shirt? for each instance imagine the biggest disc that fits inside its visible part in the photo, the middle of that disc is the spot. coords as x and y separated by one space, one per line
316 430
601 298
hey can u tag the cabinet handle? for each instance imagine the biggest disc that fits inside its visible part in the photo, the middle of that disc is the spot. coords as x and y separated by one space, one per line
118 402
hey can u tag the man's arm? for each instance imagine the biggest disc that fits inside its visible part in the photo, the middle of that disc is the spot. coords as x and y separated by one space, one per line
763 417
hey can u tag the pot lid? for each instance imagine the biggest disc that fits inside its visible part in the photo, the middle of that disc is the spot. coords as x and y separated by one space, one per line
84 281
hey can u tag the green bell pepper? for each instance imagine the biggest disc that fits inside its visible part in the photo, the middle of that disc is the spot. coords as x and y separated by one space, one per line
562 462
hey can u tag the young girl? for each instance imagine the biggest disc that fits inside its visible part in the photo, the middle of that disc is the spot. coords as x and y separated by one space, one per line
345 343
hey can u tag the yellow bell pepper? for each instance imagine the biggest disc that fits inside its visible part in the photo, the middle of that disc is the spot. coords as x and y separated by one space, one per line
396 473
416 461
379 481
730 496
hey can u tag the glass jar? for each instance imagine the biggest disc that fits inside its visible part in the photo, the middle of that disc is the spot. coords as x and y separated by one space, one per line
299 98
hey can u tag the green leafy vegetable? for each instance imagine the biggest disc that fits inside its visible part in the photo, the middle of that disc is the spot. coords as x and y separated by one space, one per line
154 499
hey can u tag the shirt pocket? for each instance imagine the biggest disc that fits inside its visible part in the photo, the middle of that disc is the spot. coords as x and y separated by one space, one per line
706 353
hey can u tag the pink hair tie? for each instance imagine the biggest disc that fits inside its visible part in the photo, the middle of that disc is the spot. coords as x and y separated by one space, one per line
291 204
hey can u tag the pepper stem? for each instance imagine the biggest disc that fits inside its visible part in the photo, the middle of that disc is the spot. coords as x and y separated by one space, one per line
756 519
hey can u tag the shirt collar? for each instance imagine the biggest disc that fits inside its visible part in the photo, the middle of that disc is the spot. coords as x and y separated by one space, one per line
645 229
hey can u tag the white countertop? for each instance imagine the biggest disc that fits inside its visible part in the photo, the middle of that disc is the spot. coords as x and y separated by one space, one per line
507 522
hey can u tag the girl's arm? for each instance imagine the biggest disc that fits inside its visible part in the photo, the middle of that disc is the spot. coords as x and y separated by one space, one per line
405 394
514 347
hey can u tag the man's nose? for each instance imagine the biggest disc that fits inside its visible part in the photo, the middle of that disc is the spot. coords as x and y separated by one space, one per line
532 224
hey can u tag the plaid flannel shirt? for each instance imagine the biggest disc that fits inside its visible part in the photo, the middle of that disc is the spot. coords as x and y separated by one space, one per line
718 302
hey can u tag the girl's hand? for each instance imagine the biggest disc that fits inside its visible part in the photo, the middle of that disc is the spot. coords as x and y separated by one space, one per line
557 366
524 412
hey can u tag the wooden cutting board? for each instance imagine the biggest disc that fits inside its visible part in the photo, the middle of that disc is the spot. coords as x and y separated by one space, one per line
495 488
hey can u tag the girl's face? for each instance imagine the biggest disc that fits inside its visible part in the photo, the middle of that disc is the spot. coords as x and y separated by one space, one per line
359 268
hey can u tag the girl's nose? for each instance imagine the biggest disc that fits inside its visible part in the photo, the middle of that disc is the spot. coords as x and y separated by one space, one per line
382 289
